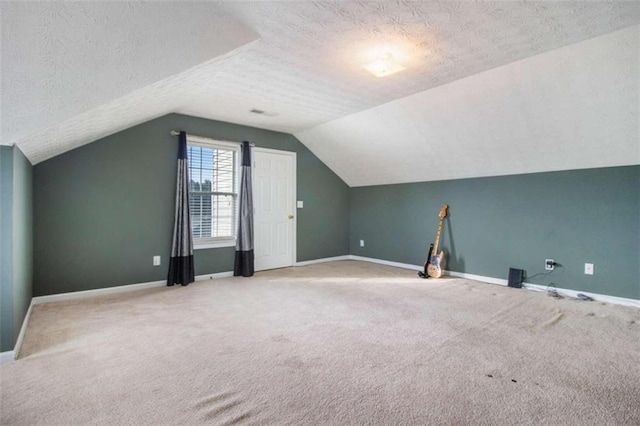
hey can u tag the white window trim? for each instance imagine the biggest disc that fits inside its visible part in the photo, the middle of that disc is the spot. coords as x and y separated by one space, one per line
209 243
213 244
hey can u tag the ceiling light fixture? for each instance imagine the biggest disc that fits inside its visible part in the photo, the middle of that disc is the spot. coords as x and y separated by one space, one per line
385 65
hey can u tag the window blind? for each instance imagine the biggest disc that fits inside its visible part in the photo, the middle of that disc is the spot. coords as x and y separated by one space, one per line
213 191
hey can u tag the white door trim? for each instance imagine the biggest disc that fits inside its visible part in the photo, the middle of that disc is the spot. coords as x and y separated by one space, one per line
294 233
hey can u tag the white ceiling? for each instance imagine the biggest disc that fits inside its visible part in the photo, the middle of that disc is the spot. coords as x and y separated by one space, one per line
75 72
571 108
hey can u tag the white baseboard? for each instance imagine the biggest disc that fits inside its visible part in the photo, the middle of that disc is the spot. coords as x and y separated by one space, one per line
118 289
96 292
474 277
387 262
23 330
614 300
7 357
212 276
323 260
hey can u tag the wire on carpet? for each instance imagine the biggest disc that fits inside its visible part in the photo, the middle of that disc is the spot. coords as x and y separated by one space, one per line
553 291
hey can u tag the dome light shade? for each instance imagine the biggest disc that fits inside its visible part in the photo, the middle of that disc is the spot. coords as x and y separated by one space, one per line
384 66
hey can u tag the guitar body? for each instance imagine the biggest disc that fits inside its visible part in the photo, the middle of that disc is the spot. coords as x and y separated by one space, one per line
425 274
434 269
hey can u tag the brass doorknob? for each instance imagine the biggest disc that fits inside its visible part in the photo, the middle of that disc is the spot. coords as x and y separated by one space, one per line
290 216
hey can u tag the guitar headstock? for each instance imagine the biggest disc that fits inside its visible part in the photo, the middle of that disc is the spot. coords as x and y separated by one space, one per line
443 211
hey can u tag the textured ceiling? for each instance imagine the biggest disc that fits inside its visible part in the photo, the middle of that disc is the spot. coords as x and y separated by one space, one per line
60 59
570 108
74 72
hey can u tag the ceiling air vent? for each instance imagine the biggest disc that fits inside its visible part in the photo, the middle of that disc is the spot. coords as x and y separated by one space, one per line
263 112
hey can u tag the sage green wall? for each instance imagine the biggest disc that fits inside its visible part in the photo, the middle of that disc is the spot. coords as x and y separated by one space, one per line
22 238
16 250
103 210
6 250
517 221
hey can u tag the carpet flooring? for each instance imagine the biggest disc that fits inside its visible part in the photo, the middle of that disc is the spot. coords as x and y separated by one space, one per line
338 343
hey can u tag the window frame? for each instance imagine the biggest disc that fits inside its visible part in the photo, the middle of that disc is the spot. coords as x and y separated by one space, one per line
217 242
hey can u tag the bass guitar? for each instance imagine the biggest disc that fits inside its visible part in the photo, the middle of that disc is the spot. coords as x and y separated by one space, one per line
434 269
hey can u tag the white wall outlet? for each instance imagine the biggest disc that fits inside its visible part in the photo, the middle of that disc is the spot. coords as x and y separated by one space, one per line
156 260
361 243
549 264
299 204
588 268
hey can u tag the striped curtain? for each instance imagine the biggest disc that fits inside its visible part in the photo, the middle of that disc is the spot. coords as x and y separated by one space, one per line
181 266
244 264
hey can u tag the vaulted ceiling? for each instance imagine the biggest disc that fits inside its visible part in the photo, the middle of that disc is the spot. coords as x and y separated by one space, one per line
489 88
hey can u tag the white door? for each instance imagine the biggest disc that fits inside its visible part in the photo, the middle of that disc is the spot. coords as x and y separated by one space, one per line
274 204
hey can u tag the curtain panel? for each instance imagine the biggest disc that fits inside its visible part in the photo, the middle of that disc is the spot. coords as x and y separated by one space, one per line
181 264
244 262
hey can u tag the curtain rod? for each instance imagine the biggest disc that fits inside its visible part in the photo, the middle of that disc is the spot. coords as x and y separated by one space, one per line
176 133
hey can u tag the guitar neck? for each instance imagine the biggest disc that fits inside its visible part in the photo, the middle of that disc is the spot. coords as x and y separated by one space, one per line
437 241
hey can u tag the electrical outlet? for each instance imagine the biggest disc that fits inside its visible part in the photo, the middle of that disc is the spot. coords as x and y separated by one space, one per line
588 268
156 260
361 243
549 264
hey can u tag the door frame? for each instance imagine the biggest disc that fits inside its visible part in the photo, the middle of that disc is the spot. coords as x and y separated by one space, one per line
294 233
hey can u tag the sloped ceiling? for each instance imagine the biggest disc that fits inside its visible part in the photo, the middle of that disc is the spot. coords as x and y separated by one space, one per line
75 72
571 108
68 60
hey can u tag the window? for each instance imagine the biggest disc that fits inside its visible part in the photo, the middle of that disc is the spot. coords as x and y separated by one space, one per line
213 193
